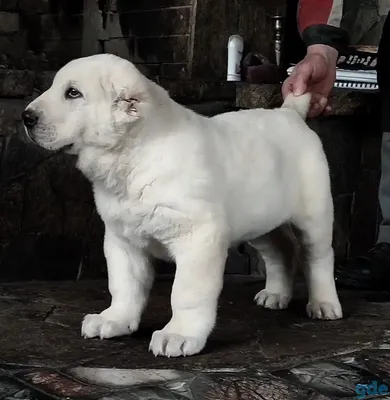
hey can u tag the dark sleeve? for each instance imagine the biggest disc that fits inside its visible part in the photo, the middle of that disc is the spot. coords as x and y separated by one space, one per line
319 22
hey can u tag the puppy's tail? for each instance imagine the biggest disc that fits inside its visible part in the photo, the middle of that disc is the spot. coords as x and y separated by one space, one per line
301 104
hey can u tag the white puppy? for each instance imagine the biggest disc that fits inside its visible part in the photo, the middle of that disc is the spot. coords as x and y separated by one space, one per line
175 185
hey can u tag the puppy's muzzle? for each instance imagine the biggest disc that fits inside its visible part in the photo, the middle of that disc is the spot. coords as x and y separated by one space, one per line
30 119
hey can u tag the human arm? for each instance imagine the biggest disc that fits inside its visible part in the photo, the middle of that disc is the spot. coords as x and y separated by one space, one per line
319 26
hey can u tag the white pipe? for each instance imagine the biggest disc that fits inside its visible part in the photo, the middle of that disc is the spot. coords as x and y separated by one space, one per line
235 50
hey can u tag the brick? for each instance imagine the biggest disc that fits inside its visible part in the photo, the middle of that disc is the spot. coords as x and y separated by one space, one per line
113 27
12 108
35 6
120 47
14 83
8 127
31 24
67 7
54 190
175 71
57 53
32 28
14 52
212 108
94 262
256 26
47 27
192 91
127 6
152 71
40 257
78 215
173 49
215 22
96 227
66 180
151 23
8 5
19 158
9 22
10 116
43 80
61 26
11 205
38 6
43 209
15 257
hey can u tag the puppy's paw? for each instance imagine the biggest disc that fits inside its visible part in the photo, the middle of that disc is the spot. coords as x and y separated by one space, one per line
273 301
324 310
173 345
107 324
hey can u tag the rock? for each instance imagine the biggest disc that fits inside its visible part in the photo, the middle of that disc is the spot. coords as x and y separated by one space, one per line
9 22
14 83
19 158
40 257
43 209
11 206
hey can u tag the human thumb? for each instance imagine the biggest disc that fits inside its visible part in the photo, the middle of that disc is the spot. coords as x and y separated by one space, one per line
300 82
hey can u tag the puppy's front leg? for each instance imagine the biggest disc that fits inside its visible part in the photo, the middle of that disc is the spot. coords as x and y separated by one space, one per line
129 280
200 260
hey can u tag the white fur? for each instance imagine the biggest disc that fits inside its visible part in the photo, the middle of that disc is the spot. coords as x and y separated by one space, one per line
176 185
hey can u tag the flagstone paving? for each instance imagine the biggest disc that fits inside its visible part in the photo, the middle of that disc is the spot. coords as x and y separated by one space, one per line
252 353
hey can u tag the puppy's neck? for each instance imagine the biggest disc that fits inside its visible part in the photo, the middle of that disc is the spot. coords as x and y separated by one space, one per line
107 167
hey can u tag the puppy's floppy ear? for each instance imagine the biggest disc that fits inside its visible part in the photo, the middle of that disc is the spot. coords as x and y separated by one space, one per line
130 105
127 103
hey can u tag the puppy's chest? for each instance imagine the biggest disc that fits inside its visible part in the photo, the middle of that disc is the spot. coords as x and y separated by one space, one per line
128 217
133 218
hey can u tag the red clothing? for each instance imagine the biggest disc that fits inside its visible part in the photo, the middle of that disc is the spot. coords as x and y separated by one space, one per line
316 12
319 22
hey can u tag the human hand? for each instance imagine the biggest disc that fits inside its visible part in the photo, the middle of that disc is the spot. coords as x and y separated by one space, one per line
316 74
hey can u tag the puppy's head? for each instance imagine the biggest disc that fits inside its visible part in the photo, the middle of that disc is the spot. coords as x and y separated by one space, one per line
93 101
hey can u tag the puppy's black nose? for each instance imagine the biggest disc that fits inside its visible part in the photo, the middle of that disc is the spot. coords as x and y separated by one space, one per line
29 118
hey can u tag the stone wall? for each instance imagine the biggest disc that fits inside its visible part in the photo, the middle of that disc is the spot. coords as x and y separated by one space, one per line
173 39
49 228
45 34
168 39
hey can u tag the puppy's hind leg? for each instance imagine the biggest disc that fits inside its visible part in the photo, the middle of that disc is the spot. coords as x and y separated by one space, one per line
278 251
315 220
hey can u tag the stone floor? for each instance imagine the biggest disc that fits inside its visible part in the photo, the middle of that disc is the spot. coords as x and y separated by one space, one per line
252 354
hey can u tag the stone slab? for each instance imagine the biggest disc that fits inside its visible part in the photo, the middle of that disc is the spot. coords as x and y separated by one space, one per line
253 354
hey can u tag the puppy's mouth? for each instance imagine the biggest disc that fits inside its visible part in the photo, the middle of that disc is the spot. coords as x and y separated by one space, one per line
68 149
30 138
42 141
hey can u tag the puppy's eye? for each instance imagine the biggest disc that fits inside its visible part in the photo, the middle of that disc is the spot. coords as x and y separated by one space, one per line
72 93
